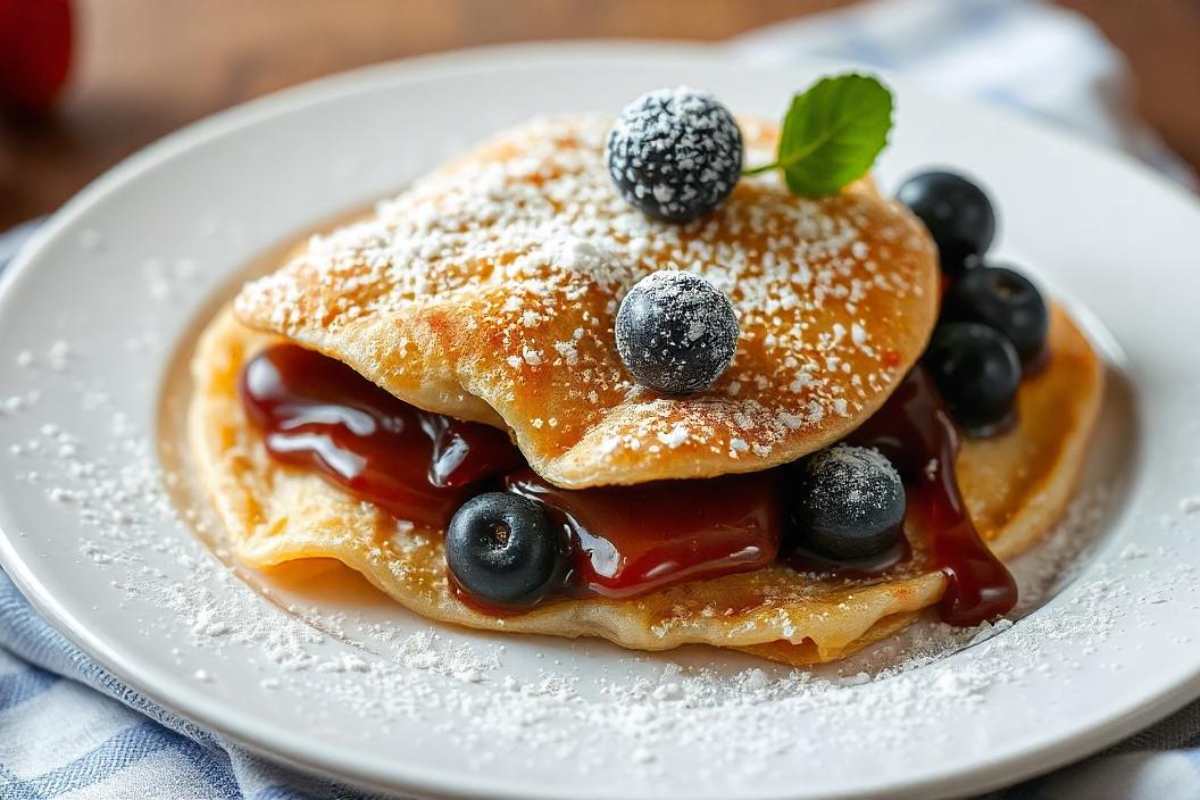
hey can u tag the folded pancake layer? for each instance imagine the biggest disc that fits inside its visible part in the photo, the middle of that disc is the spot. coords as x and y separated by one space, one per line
488 292
1015 485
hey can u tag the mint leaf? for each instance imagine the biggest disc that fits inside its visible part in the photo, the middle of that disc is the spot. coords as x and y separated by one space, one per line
832 134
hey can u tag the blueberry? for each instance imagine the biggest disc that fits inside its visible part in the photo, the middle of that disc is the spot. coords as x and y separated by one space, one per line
851 504
676 154
676 332
504 550
977 372
957 213
1005 300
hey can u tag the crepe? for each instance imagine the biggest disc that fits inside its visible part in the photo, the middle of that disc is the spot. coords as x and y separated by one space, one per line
488 291
1015 485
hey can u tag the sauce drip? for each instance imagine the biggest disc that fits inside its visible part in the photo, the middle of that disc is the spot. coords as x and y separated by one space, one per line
915 432
630 540
318 413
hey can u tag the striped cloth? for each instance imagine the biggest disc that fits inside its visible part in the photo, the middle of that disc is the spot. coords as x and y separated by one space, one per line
69 729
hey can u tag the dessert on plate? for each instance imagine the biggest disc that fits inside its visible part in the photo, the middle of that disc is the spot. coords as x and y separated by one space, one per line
663 379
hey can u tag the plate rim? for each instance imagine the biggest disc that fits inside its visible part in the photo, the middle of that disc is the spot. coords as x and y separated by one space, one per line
985 774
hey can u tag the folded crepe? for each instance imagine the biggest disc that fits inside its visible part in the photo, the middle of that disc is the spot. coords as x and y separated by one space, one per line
487 292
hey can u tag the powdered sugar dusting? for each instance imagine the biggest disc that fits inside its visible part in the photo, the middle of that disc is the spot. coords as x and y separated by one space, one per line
675 331
544 223
675 151
381 681
859 473
743 715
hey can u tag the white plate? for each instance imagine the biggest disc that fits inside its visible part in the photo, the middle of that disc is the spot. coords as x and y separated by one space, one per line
347 684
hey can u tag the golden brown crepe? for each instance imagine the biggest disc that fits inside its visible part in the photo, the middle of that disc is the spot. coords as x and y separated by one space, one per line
487 292
1016 486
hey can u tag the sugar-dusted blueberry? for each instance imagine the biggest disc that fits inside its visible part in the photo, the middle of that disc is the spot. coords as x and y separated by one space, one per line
977 372
1003 299
676 332
957 213
504 550
849 504
676 154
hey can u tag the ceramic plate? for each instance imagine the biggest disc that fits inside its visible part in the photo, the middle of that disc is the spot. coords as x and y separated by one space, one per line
305 665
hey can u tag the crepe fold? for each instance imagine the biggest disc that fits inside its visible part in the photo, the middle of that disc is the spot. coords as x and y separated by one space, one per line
488 290
1015 485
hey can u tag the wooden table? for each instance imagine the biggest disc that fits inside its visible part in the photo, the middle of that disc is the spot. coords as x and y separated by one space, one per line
145 67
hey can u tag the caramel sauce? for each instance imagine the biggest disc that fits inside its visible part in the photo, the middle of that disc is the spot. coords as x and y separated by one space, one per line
317 413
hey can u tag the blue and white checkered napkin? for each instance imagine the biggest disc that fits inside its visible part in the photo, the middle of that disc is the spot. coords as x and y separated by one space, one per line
69 729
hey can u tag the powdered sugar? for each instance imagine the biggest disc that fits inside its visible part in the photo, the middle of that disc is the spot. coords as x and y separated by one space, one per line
366 658
731 717
675 153
856 472
804 277
335 653
677 333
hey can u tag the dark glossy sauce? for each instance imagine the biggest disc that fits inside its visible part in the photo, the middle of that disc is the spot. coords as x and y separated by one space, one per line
316 412
630 540
915 432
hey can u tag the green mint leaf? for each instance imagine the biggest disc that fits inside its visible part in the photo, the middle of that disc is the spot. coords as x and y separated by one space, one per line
832 134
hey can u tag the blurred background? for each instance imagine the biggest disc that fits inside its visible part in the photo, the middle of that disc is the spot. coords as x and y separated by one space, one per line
84 83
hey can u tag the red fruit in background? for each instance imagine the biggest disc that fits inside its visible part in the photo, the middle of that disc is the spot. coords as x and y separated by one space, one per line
35 52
